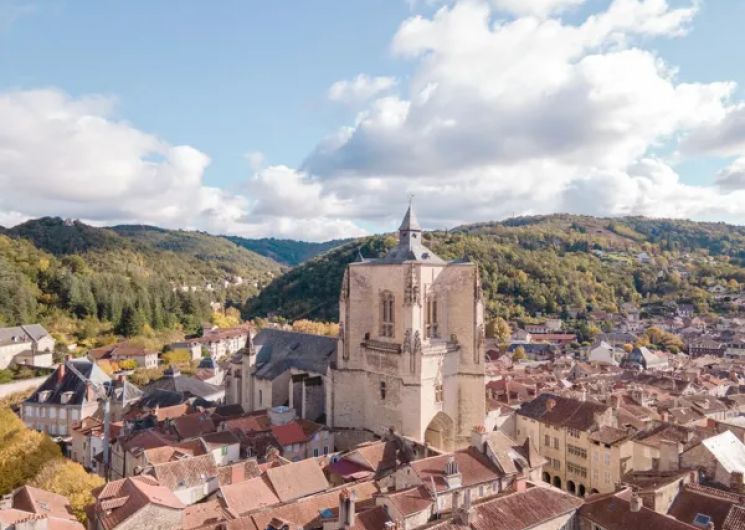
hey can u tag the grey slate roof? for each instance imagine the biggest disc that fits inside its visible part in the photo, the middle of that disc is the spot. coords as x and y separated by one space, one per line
25 333
184 384
77 374
410 247
277 351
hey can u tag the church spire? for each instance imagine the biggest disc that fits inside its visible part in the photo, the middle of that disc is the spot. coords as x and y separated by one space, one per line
410 222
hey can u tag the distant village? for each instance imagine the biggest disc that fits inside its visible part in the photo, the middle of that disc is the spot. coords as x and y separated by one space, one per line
414 415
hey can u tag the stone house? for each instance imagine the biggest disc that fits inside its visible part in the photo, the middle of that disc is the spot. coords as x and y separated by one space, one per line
124 351
67 396
719 459
561 429
135 503
28 344
190 479
28 508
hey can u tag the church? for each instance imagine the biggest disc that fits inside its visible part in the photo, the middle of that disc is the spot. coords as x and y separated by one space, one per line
409 356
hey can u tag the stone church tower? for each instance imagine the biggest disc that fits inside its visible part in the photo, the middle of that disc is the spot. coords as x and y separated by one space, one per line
410 354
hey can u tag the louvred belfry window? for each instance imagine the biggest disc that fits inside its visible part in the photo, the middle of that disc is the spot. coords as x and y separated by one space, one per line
431 317
387 314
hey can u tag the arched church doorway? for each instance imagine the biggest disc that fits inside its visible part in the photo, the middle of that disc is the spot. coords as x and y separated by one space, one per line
557 482
546 477
440 432
582 490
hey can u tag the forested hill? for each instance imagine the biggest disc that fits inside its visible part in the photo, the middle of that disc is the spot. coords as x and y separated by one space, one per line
545 264
53 270
286 251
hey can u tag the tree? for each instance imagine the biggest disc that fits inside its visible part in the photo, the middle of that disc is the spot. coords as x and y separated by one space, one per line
127 364
69 479
131 323
498 328
519 354
23 452
313 327
229 319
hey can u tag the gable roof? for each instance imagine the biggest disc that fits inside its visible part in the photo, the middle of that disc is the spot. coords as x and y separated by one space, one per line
23 333
297 479
613 512
728 450
68 384
185 473
474 468
42 502
563 412
118 500
278 350
243 497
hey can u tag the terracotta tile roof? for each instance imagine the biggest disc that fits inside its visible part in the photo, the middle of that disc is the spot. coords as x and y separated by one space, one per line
249 495
517 511
193 425
736 519
373 519
297 479
238 472
289 433
563 412
42 502
11 516
305 513
613 512
692 501
474 467
378 456
169 453
204 514
609 435
185 473
147 439
251 423
214 440
411 501
136 492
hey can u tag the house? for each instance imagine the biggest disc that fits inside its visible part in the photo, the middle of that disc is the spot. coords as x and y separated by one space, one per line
720 459
698 505
562 430
67 396
28 344
135 503
222 342
174 381
190 479
550 325
125 351
642 358
624 510
87 440
529 506
605 354
36 509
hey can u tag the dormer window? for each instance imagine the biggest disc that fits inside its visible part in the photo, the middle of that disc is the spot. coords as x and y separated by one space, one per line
387 314
44 395
66 397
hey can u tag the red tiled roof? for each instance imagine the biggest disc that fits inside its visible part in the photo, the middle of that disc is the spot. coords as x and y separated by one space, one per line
613 512
474 468
42 502
290 433
137 493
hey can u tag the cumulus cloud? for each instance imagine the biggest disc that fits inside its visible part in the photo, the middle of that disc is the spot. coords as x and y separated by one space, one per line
532 114
360 89
509 109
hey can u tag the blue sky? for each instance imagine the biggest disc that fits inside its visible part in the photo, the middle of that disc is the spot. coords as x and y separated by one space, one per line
230 78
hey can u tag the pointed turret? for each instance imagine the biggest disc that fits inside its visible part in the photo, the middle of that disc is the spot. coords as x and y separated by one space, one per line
410 247
410 222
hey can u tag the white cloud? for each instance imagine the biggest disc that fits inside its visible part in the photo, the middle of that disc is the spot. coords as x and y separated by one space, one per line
534 115
360 89
539 8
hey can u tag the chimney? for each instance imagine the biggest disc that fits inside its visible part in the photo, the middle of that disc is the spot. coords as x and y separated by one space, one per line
736 482
635 504
521 484
346 508
478 438
61 369
465 515
453 478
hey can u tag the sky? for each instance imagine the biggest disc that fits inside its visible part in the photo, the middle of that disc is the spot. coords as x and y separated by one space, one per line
318 120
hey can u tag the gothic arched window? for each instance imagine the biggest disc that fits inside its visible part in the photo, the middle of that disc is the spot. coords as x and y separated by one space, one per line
431 317
387 314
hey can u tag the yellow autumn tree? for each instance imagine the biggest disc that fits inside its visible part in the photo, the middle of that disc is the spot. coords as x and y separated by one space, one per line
316 328
71 480
23 452
229 318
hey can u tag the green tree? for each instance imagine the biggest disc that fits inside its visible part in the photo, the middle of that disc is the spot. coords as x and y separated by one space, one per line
131 323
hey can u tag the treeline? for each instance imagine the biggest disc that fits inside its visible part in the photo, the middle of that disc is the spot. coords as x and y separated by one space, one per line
557 264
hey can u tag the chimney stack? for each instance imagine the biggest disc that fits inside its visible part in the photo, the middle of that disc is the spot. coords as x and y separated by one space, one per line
636 503
346 508
736 482
61 369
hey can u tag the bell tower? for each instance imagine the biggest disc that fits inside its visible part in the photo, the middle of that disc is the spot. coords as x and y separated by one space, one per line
410 353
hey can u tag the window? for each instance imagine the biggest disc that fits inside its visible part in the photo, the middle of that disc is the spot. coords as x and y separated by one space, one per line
574 433
431 317
315 452
555 463
382 390
261 397
556 443
387 315
438 394
224 450
325 450
547 440
576 451
74 414
577 470
42 412
62 413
